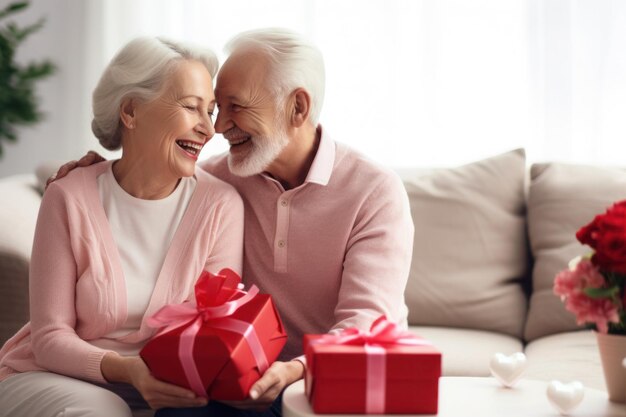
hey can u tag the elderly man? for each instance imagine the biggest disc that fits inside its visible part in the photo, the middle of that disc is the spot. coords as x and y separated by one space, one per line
327 233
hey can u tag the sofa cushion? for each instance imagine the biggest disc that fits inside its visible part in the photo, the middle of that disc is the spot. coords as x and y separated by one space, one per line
467 352
566 357
19 205
470 253
562 198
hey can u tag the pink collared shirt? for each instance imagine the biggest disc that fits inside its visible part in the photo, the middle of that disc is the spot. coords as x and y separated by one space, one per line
334 252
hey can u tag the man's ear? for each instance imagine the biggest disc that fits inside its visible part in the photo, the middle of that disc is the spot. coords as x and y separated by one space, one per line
301 107
127 113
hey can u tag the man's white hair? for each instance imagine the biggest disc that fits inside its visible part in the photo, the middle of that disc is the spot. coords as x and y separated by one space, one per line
139 70
294 63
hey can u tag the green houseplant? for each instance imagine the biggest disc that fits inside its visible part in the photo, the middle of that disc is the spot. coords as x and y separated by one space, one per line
18 104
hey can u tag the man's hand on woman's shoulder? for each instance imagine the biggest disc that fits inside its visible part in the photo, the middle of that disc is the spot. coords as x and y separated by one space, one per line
90 158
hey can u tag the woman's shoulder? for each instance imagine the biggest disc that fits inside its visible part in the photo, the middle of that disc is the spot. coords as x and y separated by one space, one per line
79 179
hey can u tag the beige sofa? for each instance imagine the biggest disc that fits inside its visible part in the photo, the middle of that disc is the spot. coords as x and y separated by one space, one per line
489 238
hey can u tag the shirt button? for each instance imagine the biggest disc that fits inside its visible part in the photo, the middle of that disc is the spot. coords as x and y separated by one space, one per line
283 203
281 243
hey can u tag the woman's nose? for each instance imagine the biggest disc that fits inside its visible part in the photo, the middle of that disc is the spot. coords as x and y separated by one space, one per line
210 129
205 129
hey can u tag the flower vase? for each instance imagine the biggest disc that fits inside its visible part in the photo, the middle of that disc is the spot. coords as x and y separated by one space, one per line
612 352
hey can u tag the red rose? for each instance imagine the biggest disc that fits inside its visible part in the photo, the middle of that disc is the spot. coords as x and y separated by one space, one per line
620 204
615 217
611 252
606 234
588 235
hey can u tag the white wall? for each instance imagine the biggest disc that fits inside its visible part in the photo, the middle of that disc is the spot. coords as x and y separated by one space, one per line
431 83
59 40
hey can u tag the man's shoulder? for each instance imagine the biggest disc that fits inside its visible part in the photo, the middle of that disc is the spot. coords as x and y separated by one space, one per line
350 158
361 170
376 188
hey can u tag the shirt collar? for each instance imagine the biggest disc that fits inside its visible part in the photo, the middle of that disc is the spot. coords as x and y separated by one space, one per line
322 166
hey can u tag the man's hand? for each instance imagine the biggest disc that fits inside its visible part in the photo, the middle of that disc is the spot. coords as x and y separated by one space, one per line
274 380
89 159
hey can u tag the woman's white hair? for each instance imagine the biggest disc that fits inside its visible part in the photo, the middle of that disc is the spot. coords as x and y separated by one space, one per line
295 63
139 70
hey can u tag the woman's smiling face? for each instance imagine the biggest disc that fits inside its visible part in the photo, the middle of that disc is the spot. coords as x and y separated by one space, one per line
170 131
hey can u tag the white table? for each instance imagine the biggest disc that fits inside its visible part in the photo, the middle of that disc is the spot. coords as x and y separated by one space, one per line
484 397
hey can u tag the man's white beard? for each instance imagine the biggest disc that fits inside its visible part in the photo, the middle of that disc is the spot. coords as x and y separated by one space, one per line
262 152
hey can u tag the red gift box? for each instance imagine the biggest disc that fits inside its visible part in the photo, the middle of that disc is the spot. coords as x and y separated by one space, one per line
220 345
385 371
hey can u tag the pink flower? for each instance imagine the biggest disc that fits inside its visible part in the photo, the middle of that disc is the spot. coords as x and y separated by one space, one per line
570 285
599 311
573 281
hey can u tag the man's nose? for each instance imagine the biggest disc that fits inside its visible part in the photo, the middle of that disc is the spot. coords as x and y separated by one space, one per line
221 122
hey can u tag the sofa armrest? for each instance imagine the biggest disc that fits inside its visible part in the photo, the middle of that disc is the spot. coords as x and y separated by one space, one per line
19 206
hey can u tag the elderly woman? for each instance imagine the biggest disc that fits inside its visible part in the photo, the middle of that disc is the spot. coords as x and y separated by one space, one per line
120 239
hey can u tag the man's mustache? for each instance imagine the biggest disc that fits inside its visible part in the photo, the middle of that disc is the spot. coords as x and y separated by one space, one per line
234 132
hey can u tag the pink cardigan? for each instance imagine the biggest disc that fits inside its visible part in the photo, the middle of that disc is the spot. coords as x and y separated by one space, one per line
77 289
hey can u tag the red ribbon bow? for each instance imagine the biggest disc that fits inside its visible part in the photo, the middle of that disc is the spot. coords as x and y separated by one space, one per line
217 298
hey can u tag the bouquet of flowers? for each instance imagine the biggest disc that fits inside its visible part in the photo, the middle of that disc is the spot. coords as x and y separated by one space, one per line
593 286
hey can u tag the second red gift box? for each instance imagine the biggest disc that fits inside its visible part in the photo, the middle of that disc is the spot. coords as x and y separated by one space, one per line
384 371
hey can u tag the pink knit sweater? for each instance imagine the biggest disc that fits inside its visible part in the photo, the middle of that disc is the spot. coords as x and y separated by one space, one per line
77 289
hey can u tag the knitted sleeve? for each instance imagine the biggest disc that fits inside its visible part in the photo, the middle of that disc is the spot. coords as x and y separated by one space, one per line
53 277
377 259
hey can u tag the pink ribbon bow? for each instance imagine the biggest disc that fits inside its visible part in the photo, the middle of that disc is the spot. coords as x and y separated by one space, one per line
217 298
383 333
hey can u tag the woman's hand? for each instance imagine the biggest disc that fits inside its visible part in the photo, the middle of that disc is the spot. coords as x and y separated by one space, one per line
158 394
273 382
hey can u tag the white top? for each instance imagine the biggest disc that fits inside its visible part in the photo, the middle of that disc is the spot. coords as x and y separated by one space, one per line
142 230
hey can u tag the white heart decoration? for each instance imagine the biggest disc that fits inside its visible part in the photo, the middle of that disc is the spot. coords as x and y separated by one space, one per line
565 397
507 369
